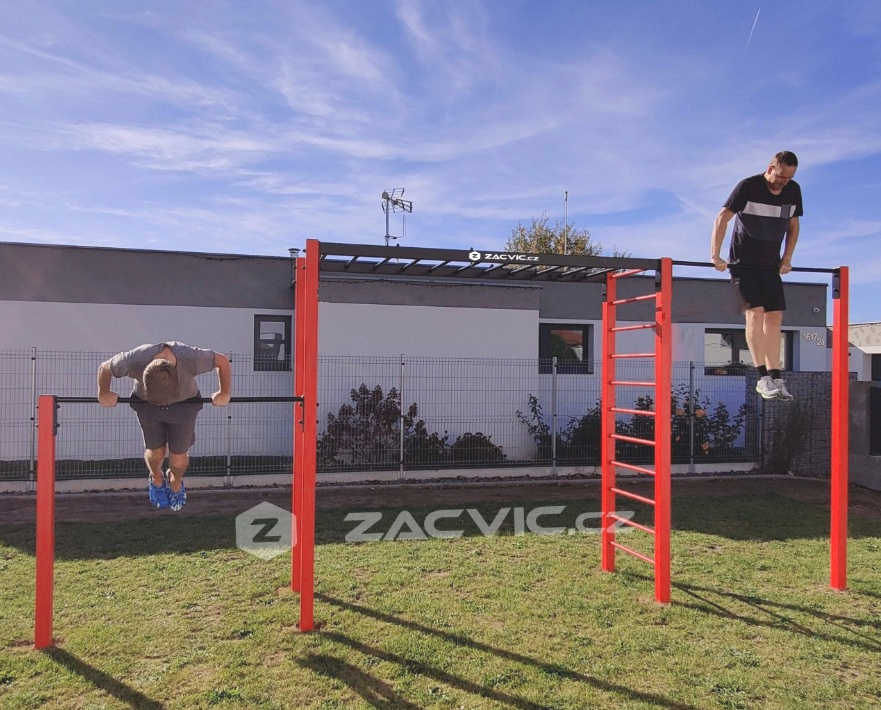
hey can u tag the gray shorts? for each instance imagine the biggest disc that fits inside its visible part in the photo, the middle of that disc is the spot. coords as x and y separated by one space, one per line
174 425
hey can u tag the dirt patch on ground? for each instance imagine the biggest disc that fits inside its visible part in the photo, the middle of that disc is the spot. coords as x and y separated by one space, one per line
113 507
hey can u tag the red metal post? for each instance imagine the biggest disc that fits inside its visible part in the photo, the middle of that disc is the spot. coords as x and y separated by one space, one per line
45 521
663 377
608 426
310 434
840 429
299 446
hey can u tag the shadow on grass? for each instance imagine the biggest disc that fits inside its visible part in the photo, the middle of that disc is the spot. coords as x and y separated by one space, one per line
374 692
103 681
765 517
506 699
864 634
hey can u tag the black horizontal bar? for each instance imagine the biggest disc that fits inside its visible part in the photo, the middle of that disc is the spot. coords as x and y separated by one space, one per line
803 269
480 256
202 400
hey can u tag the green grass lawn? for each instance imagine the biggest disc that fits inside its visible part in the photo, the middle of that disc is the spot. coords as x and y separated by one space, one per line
167 613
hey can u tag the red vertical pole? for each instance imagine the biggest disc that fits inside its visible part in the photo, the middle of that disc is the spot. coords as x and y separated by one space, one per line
840 442
45 521
663 378
299 445
608 425
310 433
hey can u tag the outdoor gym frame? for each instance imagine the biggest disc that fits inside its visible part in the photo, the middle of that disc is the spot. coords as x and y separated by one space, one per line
485 266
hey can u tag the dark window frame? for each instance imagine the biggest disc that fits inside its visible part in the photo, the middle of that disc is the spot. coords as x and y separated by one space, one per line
876 367
565 367
734 367
266 362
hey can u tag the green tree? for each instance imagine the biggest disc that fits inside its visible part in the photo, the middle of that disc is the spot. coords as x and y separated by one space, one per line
540 238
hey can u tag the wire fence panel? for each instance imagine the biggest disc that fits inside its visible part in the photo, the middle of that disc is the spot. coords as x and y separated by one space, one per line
16 414
392 413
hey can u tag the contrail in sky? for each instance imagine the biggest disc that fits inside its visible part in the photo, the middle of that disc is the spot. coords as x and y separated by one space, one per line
748 39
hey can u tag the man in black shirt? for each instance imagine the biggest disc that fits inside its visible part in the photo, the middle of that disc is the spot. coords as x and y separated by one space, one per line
766 209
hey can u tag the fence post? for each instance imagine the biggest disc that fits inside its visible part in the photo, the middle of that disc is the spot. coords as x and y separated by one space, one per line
691 416
401 425
227 479
31 484
554 416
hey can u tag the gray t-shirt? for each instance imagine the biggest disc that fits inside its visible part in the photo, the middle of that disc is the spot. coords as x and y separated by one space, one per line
190 362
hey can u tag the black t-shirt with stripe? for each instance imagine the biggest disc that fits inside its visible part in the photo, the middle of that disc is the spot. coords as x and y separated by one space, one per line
761 220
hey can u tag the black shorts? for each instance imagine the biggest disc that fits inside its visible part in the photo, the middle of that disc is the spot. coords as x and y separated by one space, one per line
174 425
759 289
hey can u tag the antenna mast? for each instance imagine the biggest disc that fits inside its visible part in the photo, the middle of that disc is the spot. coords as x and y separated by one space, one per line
392 202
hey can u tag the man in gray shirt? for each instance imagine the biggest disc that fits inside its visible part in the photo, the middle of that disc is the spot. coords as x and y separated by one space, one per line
167 404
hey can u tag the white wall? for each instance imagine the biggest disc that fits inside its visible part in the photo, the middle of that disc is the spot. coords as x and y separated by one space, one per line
493 344
99 327
431 331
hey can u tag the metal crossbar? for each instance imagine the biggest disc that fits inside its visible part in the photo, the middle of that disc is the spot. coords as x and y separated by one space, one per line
201 400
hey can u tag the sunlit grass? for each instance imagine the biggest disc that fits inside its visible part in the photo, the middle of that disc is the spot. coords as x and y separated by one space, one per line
167 613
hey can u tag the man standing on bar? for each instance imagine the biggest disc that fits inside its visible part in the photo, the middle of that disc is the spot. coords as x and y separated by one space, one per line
167 402
766 208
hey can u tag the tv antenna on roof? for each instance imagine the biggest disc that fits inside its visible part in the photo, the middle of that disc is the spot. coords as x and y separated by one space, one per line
392 202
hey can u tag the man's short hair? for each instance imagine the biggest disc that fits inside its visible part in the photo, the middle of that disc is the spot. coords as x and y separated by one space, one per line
787 158
160 382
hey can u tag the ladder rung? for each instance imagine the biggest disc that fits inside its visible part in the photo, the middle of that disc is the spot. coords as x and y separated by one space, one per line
625 383
634 496
623 355
639 412
636 554
631 467
641 326
633 439
633 299
628 272
632 524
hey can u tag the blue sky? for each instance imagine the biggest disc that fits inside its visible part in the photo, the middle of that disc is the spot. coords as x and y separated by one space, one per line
248 127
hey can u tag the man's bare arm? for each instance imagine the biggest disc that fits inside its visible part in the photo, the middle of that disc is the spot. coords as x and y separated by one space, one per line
720 226
224 380
106 396
789 248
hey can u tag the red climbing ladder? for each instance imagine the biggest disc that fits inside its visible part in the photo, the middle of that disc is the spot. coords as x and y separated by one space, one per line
659 388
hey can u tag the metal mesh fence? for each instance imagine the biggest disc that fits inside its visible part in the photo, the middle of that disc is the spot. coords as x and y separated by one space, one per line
381 413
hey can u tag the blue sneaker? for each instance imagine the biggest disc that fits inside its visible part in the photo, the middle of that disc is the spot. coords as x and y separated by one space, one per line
159 494
178 500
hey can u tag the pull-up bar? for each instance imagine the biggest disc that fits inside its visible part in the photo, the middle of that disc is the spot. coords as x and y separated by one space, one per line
201 400
803 269
47 425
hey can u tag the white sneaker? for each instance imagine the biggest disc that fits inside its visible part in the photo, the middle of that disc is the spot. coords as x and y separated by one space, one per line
782 392
768 388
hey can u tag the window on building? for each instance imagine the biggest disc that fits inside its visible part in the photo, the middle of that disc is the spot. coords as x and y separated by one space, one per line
876 367
570 343
726 351
874 421
272 343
